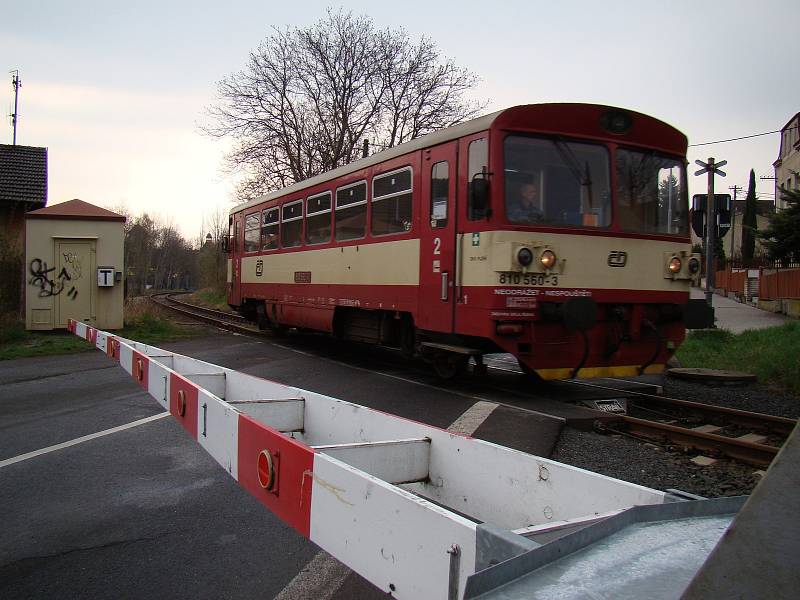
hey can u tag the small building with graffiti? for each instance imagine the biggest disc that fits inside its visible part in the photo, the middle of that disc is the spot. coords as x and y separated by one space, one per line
74 254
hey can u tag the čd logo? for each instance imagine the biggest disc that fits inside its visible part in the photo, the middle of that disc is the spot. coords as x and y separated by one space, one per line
617 258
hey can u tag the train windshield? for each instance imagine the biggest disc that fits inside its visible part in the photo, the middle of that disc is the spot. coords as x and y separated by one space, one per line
556 182
651 193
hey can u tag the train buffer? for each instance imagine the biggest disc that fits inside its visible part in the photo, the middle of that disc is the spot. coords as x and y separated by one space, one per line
422 512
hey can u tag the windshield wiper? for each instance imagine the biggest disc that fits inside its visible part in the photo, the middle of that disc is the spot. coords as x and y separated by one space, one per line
582 175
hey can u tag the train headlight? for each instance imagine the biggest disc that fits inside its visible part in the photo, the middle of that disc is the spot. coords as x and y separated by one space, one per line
675 265
548 259
693 266
524 256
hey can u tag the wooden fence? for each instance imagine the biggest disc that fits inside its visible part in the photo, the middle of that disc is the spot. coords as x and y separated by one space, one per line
773 284
777 284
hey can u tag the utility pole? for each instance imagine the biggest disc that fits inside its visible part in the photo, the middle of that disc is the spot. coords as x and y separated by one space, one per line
17 83
711 221
735 189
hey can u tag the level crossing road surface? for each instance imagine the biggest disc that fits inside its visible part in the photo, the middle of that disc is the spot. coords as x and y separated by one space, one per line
144 512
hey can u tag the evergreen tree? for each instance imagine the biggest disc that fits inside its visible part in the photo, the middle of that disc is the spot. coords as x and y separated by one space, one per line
749 225
782 236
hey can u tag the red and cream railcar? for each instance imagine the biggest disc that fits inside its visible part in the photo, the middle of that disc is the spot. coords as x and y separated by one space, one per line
556 232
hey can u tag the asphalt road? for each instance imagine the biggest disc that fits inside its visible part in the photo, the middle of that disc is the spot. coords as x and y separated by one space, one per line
145 513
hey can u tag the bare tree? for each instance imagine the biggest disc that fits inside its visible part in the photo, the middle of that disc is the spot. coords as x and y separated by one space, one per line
308 97
211 262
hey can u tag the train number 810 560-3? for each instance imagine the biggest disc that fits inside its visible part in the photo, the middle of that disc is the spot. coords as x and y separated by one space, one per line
537 279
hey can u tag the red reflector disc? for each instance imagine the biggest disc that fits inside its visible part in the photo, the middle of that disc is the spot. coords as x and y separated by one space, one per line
182 403
266 470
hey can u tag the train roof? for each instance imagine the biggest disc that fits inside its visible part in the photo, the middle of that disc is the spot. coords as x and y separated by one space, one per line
432 139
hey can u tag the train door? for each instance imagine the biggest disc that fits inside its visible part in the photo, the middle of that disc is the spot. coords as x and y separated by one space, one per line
438 240
236 256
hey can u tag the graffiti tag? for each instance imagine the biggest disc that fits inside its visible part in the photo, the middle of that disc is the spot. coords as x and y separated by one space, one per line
41 277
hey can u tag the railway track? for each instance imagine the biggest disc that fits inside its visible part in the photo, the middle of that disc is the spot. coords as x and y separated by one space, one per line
716 431
749 437
219 318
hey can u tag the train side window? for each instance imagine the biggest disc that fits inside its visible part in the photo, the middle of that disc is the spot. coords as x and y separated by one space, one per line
391 202
292 224
477 165
351 212
440 194
251 232
318 219
269 231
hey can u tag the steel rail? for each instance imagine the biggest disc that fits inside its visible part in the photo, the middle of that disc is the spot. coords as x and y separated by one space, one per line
208 315
760 421
210 311
751 453
732 416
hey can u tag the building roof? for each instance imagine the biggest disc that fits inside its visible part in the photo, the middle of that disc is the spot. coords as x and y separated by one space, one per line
790 122
77 210
23 174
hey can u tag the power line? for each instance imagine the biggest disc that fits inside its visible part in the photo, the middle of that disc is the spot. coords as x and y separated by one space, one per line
744 137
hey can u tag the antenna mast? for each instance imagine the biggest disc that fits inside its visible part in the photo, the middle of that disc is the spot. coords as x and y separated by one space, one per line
17 83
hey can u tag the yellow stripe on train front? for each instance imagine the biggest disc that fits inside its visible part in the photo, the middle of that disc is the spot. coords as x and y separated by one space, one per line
598 372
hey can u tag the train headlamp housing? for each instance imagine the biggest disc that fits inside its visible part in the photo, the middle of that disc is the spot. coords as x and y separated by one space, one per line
524 256
681 265
548 259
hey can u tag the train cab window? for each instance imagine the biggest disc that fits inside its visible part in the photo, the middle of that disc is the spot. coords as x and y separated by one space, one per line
252 226
440 194
318 219
651 193
292 224
351 212
477 168
269 231
391 202
555 182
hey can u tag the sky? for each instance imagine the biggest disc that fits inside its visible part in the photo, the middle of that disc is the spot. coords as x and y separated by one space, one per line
116 91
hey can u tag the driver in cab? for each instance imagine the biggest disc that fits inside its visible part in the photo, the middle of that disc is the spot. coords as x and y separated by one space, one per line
524 207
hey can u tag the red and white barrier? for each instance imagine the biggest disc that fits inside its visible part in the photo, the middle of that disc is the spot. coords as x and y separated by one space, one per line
368 487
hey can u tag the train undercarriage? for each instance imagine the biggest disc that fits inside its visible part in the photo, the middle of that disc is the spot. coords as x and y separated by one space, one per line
574 339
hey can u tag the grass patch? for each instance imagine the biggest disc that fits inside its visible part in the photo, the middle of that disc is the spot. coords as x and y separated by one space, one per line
16 342
43 343
772 354
144 322
150 324
210 298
